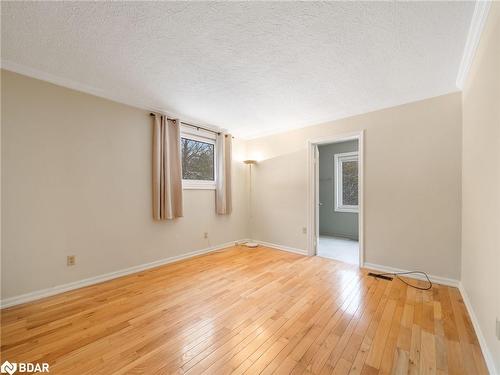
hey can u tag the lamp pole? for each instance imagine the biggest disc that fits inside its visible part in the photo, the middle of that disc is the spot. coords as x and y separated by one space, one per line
250 162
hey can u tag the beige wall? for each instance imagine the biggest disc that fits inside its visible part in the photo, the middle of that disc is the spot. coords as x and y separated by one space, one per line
76 179
412 185
481 183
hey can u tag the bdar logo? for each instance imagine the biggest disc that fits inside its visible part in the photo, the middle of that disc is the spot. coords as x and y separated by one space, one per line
8 367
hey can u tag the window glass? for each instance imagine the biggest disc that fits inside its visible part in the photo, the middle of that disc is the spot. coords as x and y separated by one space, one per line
197 160
346 182
350 183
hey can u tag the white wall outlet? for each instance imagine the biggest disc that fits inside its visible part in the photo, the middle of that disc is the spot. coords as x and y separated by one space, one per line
498 329
304 230
205 235
70 260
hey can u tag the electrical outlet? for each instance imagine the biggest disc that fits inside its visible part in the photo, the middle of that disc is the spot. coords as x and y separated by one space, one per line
205 235
498 329
304 230
70 260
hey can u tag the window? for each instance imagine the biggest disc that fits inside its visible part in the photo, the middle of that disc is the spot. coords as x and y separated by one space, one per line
198 160
346 182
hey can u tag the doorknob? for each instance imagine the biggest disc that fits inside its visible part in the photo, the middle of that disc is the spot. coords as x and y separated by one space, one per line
321 203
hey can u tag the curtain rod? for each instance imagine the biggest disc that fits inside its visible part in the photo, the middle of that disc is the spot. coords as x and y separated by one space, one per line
193 126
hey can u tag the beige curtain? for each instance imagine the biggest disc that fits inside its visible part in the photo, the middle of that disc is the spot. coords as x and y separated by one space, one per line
223 199
167 178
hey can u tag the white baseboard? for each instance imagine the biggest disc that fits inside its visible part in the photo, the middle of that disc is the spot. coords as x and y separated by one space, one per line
281 247
488 357
32 296
434 279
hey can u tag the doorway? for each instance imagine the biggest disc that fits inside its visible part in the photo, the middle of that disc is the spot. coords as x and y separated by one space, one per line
335 198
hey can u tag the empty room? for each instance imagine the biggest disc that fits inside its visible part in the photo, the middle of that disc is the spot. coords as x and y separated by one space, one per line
250 187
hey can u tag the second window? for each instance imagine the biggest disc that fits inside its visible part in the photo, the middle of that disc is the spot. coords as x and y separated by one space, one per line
346 182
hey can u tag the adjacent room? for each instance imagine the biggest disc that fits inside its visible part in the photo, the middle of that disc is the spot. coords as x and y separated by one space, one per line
250 187
338 201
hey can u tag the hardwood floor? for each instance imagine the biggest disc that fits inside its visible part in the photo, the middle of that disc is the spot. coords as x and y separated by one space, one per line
246 311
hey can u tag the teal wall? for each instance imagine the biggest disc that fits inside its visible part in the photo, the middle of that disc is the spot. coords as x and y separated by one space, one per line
331 223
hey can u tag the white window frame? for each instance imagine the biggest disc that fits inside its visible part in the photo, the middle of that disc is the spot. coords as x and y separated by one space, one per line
206 137
339 159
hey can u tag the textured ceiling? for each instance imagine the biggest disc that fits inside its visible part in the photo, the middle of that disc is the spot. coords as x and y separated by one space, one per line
252 67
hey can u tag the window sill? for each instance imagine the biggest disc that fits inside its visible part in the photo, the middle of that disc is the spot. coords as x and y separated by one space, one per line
198 188
353 210
197 185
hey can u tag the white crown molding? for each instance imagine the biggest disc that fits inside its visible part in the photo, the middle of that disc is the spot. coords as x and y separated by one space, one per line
435 279
38 294
78 86
479 333
346 115
74 85
139 103
476 28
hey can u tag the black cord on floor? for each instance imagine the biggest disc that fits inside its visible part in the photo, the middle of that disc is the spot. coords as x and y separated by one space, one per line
397 274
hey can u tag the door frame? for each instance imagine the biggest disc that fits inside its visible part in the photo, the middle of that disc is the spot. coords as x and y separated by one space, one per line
313 188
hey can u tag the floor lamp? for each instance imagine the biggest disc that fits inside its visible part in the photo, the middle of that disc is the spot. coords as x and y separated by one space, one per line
250 163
